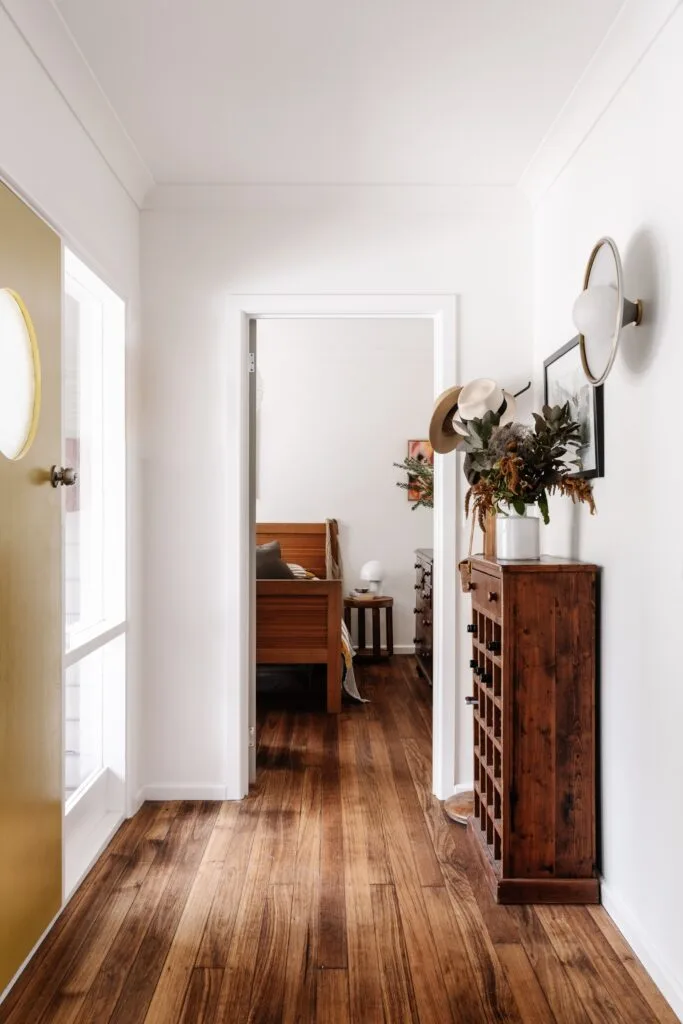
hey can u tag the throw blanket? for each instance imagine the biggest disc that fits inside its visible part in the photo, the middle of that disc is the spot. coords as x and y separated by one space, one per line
348 675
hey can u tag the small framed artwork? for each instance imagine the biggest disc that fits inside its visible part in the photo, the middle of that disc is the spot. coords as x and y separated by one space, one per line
423 452
565 381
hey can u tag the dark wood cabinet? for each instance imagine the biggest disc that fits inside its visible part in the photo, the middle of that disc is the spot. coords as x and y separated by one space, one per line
533 634
424 565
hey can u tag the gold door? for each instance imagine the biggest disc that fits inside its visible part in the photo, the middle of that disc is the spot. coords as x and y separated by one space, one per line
31 611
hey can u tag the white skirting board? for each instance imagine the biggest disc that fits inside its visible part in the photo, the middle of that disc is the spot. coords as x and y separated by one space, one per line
183 791
666 978
463 787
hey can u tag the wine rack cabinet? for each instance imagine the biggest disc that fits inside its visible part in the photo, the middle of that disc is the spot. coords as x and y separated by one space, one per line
533 661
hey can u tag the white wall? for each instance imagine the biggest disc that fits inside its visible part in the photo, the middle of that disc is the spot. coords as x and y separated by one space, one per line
625 181
52 163
199 245
340 399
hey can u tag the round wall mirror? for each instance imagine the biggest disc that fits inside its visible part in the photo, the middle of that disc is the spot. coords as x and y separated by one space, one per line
601 311
19 377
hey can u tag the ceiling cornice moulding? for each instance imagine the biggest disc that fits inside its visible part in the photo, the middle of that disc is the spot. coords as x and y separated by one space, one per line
370 199
49 38
631 35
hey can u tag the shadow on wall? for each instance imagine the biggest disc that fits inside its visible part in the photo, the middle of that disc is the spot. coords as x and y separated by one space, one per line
643 279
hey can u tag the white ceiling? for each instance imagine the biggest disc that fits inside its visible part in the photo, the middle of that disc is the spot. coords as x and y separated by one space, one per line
357 91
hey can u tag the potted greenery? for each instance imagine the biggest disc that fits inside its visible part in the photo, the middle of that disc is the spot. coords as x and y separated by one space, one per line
420 479
512 467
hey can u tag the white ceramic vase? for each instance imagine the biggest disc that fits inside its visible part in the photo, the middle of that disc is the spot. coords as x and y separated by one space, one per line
518 537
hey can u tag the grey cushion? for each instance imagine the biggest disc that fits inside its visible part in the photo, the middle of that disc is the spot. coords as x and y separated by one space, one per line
269 564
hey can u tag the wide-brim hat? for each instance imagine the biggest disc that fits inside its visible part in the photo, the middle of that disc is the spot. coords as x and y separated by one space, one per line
442 435
485 395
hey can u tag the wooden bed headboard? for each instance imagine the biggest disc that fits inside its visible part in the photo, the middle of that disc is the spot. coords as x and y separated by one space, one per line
301 543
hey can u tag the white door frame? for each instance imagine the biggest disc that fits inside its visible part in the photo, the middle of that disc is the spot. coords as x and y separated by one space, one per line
442 311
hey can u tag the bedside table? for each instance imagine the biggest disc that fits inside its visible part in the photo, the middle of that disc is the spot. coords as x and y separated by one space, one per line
375 604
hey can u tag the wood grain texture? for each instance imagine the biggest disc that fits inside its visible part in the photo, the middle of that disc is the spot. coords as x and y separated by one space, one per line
534 654
212 913
301 543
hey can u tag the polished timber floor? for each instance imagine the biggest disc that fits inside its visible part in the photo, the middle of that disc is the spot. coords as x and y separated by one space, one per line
338 891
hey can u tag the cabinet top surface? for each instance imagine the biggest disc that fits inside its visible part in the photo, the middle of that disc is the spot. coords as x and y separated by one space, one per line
425 552
546 563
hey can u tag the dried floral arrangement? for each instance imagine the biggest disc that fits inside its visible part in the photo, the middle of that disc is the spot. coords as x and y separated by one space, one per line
514 466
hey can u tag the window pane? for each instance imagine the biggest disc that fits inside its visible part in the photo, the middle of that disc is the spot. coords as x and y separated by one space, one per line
94 440
83 450
83 732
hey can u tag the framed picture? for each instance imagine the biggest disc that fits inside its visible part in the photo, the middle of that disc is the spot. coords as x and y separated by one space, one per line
423 452
565 381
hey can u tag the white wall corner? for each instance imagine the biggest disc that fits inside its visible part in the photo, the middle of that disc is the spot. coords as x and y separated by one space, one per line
629 38
47 35
664 974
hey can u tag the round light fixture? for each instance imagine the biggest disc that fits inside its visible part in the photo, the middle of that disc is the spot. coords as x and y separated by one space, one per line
601 311
19 377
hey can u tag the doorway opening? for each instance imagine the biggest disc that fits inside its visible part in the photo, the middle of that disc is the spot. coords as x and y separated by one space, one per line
244 316
340 403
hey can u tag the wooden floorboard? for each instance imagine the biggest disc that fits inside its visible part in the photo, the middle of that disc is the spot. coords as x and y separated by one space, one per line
338 891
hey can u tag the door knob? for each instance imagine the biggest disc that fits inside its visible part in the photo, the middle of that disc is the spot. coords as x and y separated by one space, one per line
64 475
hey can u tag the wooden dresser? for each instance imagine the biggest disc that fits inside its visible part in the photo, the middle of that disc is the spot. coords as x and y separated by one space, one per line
424 565
533 633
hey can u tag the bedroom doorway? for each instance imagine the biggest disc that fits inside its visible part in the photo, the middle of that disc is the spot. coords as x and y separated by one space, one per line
339 404
245 313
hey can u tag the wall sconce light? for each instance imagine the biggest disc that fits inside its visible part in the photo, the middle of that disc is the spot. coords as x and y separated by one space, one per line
601 311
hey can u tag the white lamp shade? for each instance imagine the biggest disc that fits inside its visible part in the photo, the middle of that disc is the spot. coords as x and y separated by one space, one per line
595 315
372 572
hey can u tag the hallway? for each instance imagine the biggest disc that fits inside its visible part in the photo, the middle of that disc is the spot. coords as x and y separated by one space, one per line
337 891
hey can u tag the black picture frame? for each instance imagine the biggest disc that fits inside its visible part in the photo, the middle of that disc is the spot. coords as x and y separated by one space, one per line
563 377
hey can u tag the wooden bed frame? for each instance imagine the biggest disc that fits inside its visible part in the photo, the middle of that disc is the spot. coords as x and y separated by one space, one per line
298 622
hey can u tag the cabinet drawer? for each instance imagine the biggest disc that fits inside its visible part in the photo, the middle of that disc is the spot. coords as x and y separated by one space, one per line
487 593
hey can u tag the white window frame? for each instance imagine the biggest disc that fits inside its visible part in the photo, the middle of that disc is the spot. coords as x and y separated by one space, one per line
97 807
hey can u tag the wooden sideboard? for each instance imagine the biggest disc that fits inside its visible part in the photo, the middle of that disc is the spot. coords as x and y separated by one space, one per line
424 565
534 633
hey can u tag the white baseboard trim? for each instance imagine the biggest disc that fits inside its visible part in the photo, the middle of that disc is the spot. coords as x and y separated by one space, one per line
84 846
404 648
667 980
183 791
463 787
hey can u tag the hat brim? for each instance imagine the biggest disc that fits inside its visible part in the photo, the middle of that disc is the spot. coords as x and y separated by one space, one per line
442 436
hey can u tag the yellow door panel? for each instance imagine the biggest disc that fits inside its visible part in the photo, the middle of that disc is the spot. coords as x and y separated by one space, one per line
30 605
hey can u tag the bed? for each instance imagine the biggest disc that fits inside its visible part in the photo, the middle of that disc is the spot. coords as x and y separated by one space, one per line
298 621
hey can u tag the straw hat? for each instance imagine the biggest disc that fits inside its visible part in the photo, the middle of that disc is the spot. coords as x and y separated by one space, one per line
455 405
442 435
